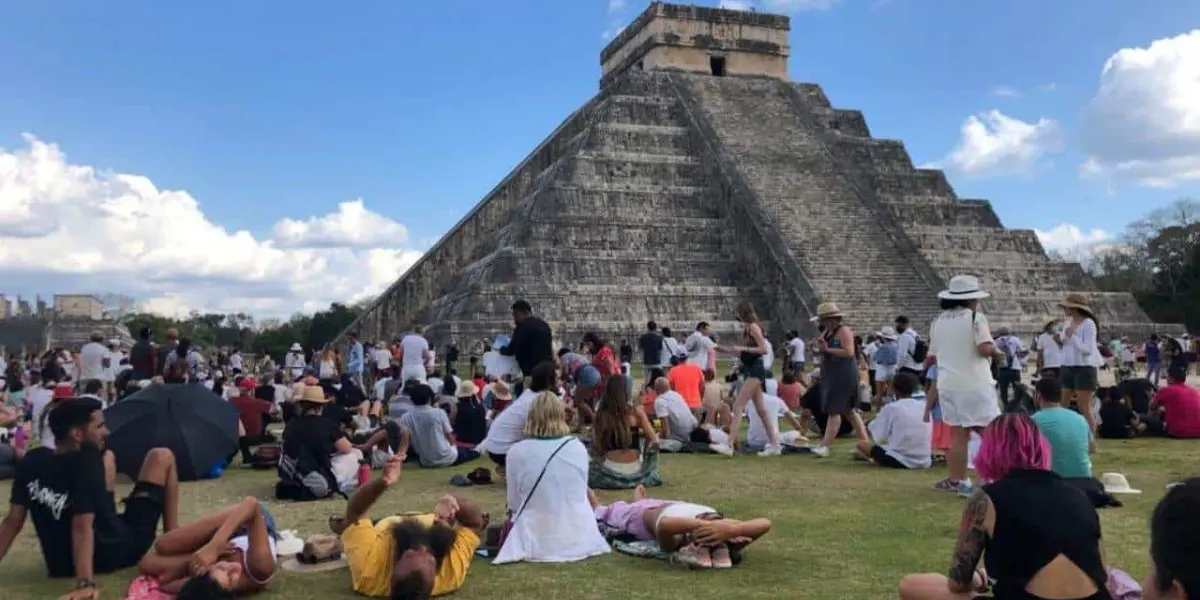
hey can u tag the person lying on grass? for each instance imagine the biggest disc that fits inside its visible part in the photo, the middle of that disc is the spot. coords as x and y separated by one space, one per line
230 552
700 536
404 557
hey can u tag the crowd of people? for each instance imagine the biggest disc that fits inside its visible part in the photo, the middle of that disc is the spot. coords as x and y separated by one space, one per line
557 423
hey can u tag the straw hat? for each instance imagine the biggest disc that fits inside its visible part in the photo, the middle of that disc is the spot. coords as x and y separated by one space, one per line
466 388
963 287
1116 483
1078 302
827 310
500 391
889 333
314 394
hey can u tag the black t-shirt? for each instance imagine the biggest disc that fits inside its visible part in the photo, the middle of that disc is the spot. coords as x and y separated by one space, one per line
1139 392
626 353
315 433
1115 419
265 392
651 344
56 487
451 355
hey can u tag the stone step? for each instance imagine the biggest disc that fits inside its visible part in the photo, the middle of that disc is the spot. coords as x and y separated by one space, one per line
642 110
625 266
604 235
972 213
641 170
919 184
583 201
569 333
1021 244
873 156
632 139
842 122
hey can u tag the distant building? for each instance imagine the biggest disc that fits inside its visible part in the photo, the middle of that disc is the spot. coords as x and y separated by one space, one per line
78 306
6 310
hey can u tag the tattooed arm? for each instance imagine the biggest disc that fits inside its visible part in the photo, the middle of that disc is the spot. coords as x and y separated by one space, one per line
972 538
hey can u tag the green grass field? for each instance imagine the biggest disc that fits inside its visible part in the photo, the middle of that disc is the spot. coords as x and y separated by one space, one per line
841 529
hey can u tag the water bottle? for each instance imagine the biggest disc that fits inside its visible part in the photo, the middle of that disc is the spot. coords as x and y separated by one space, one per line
19 438
364 473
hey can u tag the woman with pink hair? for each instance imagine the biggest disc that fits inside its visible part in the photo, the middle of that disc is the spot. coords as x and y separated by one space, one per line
1038 535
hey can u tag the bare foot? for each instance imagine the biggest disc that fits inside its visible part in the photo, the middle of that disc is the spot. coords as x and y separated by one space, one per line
592 499
639 492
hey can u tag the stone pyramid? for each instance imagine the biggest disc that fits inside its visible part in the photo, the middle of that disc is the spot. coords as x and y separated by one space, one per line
700 176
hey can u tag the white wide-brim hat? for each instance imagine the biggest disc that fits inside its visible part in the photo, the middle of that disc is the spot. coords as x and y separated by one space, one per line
296 347
889 333
1116 483
963 287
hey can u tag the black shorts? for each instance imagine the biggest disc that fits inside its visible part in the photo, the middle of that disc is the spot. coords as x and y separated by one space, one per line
884 459
143 511
499 459
1051 372
1079 379
755 370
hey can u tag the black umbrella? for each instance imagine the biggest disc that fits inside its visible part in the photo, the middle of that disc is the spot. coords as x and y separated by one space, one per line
197 425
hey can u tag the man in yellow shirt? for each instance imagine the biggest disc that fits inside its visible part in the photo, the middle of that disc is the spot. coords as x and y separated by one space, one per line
409 556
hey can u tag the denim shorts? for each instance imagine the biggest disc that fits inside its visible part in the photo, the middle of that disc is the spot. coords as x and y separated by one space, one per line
755 370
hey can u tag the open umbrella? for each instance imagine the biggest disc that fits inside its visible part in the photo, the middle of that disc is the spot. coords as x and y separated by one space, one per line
197 425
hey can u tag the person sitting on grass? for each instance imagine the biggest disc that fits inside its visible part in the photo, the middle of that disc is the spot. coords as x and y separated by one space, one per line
1175 409
408 557
624 443
68 492
427 431
1118 421
757 436
674 414
903 437
1050 546
227 553
1067 431
469 416
700 536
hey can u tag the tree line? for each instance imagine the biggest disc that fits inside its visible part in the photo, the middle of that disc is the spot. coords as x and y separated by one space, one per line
214 330
1157 259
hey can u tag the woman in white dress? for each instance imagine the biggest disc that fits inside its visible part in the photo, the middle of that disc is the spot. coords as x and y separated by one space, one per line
547 474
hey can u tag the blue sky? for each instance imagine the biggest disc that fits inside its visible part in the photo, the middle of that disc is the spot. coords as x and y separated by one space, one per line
268 111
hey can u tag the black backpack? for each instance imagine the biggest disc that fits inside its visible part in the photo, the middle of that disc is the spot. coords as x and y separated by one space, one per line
920 351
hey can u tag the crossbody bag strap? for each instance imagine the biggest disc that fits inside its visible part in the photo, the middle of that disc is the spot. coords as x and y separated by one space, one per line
538 481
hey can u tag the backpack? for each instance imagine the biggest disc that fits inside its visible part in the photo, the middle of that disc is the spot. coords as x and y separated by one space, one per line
920 351
301 478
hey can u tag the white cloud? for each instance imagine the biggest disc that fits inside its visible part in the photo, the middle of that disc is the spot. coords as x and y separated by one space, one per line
735 5
1066 236
1143 124
993 143
351 226
66 227
616 6
1048 87
791 6
1004 91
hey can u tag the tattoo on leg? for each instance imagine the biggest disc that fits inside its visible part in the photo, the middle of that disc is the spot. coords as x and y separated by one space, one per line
972 537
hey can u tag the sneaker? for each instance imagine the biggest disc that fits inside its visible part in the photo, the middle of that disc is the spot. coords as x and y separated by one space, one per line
694 556
964 489
771 451
819 451
721 558
946 485
721 449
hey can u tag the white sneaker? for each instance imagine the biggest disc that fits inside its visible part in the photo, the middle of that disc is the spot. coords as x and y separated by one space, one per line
820 451
721 449
771 451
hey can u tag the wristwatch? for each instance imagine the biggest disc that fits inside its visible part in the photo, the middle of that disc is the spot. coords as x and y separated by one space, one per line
85 584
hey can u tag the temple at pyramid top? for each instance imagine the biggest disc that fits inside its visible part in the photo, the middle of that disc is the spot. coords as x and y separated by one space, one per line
697 39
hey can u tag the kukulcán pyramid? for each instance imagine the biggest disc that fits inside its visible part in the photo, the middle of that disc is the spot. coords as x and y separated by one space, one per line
700 175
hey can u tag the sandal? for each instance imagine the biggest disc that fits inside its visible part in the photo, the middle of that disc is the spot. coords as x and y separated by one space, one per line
721 558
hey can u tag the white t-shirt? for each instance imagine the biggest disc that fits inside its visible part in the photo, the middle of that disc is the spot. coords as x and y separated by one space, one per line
508 427
797 345
91 361
281 393
756 434
697 346
908 346
1080 350
414 347
114 365
294 363
900 429
1051 352
672 407
235 361
954 339
383 358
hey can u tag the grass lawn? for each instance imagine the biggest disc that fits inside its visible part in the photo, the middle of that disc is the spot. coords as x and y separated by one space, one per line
841 529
